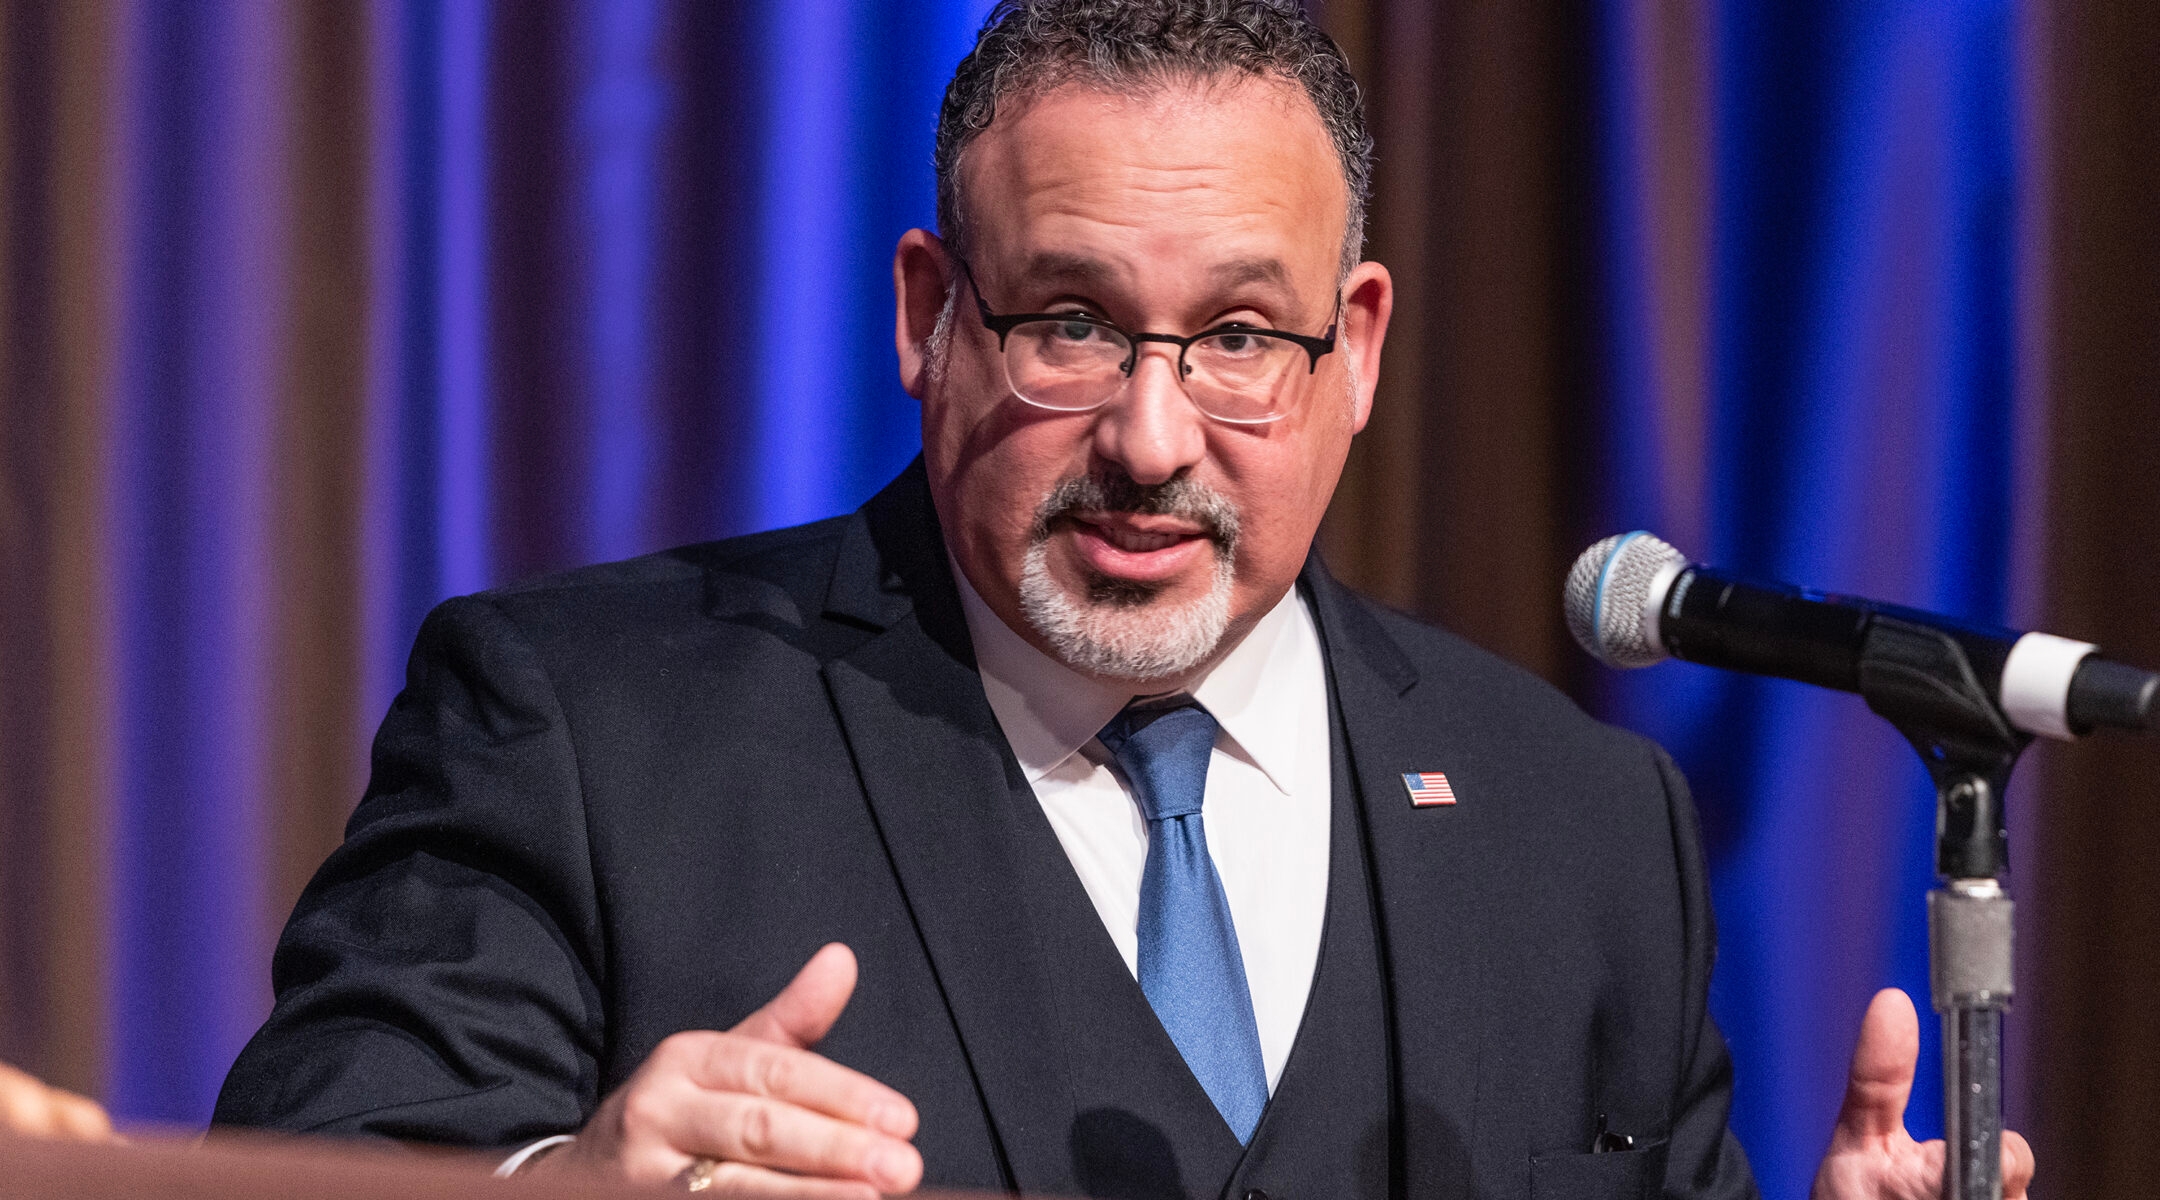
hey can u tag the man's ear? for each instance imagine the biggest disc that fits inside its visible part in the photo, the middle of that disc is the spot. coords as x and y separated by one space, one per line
922 273
1368 302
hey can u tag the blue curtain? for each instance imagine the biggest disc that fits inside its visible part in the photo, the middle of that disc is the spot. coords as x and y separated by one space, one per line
682 311
1859 435
193 393
628 286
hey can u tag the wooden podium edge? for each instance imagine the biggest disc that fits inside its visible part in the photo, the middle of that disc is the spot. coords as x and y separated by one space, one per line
251 1165
244 1165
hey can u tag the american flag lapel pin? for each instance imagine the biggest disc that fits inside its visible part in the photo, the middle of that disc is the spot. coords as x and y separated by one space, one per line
1428 789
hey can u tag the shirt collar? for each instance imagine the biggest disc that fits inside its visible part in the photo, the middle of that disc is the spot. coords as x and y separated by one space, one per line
1050 711
1257 693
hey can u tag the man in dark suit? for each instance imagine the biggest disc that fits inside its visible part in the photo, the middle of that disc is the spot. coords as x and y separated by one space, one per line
1144 858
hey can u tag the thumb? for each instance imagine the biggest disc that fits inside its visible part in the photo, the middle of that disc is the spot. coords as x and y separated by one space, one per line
807 1007
1882 1069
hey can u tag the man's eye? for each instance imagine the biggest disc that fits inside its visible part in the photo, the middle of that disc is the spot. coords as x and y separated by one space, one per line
1076 331
1236 344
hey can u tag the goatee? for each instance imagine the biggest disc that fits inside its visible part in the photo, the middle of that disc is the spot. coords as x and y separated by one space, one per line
1121 628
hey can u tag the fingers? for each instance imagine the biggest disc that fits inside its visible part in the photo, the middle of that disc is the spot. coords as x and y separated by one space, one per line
28 1106
732 1062
734 1179
77 1118
1871 1155
24 1108
2017 1165
1924 1180
1882 1069
758 1101
806 1008
743 1129
1921 1176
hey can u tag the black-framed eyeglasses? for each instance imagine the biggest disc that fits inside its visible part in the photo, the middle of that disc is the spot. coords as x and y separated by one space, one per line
1077 361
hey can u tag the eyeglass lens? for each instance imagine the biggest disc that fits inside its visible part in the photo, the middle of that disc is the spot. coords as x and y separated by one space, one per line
1078 365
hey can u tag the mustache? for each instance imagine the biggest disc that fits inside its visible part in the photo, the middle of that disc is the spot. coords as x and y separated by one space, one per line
1185 498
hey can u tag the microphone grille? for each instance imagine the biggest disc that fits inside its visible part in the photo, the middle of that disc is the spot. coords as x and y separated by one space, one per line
1609 597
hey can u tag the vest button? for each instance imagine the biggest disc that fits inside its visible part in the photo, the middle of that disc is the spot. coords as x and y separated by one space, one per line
1255 1194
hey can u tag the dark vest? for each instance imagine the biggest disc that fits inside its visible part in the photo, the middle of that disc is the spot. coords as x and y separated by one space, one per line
1142 1128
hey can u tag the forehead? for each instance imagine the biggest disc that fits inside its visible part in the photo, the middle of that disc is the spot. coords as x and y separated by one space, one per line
1233 177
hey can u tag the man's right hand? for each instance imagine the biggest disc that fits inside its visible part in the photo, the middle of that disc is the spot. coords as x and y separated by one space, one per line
780 1120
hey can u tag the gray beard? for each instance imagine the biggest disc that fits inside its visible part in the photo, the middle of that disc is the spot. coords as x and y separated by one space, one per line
1119 629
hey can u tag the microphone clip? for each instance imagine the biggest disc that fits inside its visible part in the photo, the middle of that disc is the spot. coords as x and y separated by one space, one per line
1922 681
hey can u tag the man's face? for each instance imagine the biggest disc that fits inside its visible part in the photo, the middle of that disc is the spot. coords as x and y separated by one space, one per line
1140 540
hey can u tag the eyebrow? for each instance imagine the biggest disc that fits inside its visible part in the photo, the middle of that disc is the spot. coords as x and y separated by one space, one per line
1084 271
1242 271
1060 267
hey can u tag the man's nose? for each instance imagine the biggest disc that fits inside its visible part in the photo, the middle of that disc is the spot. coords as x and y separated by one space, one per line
1151 428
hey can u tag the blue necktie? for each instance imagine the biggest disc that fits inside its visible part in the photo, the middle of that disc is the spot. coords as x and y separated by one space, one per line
1190 966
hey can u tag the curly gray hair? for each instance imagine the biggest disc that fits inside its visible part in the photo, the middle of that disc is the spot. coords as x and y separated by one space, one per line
1029 47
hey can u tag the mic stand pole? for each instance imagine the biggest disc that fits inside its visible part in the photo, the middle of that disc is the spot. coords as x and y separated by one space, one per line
1922 681
1969 974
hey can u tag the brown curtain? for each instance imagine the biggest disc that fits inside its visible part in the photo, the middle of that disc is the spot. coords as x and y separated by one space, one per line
55 321
61 85
1468 495
2095 1068
1454 504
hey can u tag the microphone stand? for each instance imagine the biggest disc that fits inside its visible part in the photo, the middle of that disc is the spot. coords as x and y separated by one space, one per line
1921 680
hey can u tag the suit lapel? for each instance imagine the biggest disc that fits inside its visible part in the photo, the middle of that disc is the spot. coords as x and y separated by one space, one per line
946 794
1426 864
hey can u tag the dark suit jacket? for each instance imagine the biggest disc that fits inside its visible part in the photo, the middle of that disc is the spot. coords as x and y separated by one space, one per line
631 800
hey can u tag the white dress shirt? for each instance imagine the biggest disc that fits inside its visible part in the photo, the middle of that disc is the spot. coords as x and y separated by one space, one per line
1265 813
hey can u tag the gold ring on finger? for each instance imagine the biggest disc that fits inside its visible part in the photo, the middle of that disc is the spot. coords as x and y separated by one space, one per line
698 1176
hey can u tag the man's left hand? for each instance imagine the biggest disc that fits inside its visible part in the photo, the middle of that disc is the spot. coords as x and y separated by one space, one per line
1871 1157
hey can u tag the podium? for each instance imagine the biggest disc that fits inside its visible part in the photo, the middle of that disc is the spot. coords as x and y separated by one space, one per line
255 1166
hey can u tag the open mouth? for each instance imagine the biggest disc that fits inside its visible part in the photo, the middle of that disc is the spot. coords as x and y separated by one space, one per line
1124 535
1134 541
1137 548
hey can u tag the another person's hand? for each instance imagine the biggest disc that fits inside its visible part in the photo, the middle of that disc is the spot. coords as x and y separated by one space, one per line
780 1120
31 1108
1871 1157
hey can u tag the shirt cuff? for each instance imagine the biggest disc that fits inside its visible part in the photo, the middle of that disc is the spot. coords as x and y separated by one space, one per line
516 1162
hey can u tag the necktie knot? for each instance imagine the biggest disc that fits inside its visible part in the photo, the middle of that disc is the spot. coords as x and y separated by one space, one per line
1163 749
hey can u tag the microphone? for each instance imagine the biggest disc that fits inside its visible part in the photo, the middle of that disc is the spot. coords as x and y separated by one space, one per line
1632 600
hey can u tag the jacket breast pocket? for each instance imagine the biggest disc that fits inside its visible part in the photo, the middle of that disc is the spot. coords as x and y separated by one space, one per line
1637 1174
